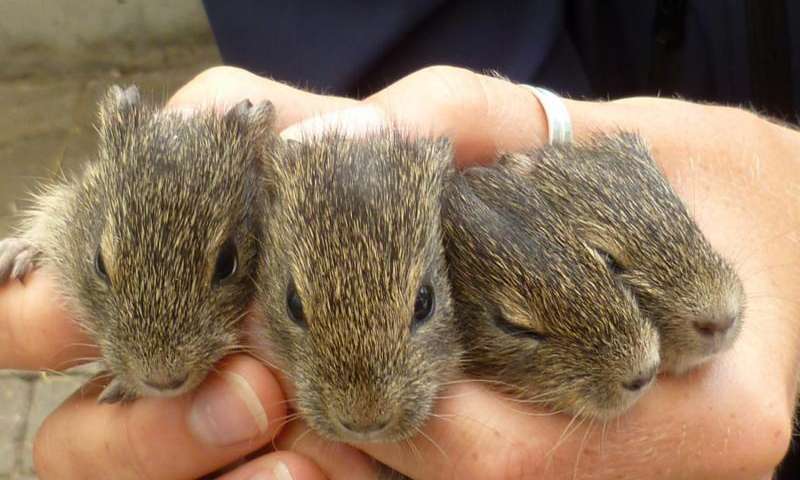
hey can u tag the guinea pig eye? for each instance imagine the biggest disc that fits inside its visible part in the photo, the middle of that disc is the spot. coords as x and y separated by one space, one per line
295 305
611 262
423 305
100 266
515 330
226 262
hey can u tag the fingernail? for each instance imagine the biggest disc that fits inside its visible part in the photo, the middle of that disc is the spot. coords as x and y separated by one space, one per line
350 121
227 411
279 472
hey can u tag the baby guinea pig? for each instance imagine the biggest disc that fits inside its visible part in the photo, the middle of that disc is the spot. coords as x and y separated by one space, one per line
621 204
540 313
153 245
354 287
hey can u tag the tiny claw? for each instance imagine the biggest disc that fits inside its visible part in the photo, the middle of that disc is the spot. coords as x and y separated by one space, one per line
16 258
115 392
23 264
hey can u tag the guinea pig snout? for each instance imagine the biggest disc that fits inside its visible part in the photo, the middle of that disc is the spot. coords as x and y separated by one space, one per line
163 382
720 320
640 379
716 325
166 381
364 425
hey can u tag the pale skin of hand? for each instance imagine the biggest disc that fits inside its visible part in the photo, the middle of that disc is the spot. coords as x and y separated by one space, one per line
731 420
737 173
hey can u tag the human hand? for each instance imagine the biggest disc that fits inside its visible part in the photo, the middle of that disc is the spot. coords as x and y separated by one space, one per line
236 411
730 419
737 408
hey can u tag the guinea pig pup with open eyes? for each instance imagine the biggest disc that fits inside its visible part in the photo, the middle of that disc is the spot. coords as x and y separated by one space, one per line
153 245
541 314
612 191
354 287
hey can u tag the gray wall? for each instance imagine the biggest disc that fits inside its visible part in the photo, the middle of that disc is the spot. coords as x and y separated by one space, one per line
45 37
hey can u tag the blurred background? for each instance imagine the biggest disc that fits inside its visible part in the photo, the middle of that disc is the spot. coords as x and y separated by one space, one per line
56 59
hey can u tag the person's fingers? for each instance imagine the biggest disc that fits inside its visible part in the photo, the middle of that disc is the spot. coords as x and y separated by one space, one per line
482 435
485 115
477 436
234 412
353 121
36 332
739 406
280 465
338 460
482 115
223 87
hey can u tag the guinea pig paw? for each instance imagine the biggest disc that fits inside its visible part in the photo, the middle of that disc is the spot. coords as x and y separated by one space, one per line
116 392
16 258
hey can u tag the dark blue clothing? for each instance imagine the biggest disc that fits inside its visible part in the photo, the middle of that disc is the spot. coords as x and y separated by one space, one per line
740 52
732 52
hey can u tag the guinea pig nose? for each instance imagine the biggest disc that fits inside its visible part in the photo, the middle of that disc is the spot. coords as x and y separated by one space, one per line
365 426
166 382
717 325
641 380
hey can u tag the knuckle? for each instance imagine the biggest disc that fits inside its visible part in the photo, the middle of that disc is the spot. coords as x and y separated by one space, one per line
445 72
460 92
220 74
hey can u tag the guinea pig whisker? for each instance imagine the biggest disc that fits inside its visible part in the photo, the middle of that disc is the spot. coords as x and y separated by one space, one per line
581 448
444 417
433 442
285 420
603 437
741 260
253 352
81 344
286 401
302 435
53 372
447 397
538 414
486 381
790 301
414 449
74 362
238 318
571 427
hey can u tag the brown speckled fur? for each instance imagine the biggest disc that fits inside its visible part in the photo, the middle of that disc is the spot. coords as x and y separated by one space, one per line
161 198
355 224
517 267
620 202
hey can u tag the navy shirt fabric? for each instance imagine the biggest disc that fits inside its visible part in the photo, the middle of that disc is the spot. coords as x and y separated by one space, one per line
736 52
700 50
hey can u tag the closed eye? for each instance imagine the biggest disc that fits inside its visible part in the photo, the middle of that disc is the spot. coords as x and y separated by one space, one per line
515 330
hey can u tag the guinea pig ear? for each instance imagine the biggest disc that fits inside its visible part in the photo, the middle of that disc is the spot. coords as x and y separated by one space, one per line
275 156
607 252
441 150
518 163
259 118
443 147
117 112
